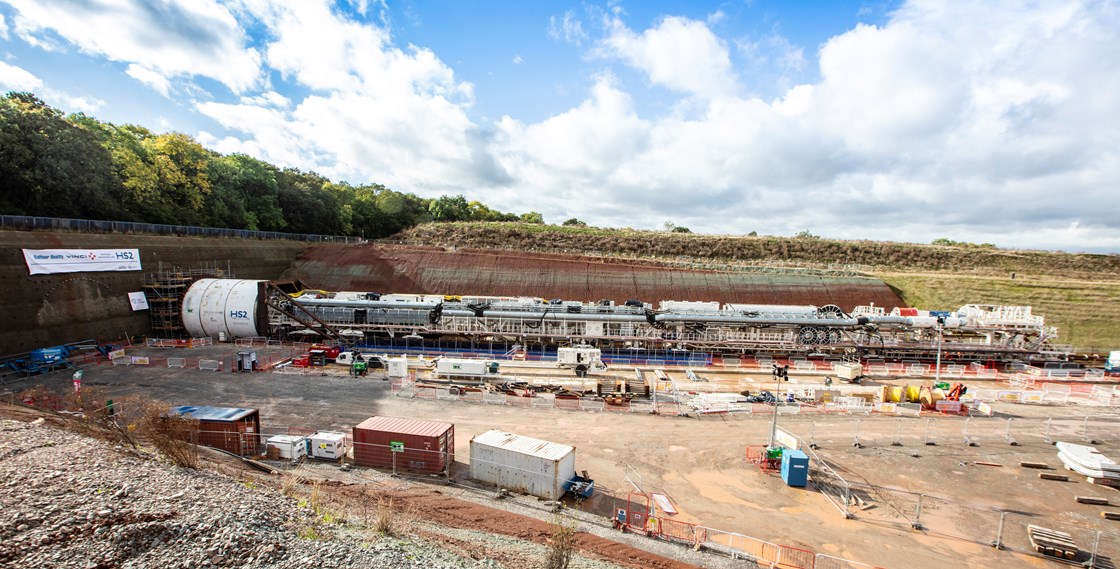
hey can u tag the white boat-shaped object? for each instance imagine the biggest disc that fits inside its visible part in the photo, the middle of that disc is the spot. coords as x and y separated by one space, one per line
1088 461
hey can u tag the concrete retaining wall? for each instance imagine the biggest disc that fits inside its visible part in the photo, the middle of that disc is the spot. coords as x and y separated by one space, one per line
45 310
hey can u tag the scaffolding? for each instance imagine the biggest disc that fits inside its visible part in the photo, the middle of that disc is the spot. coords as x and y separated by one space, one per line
165 289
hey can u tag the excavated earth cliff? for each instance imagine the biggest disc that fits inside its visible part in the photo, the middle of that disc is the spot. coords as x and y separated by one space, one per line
436 270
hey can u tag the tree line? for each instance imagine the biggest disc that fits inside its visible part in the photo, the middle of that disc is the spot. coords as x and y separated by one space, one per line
76 166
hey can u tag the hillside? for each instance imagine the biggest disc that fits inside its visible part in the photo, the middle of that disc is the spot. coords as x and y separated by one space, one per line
767 251
1078 293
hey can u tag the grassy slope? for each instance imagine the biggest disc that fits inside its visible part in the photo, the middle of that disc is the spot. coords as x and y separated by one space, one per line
1087 314
1080 294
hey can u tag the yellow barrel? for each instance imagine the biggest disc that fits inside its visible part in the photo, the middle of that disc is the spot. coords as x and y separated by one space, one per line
913 392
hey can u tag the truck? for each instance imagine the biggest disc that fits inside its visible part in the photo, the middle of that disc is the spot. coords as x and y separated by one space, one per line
456 367
1112 364
372 361
582 359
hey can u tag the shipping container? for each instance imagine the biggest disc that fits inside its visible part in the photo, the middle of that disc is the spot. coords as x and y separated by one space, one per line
230 429
456 367
414 444
327 445
522 464
290 446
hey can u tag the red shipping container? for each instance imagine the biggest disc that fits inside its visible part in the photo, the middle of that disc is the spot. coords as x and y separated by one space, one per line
417 445
230 429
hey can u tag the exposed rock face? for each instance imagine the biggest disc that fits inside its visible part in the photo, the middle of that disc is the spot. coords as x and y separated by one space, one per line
435 270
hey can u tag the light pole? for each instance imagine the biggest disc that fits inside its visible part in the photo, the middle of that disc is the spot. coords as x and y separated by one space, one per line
937 369
779 373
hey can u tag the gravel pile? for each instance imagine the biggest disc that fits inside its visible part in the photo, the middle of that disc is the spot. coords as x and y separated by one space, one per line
69 501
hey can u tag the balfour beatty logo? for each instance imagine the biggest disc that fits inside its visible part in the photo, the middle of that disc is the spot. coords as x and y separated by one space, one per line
238 314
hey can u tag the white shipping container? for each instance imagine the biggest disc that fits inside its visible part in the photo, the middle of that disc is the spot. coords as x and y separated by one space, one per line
328 445
448 367
291 446
849 371
522 464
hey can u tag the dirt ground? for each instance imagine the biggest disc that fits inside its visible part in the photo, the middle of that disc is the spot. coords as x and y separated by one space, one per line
924 505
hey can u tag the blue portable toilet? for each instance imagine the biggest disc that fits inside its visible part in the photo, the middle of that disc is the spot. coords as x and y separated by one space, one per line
795 468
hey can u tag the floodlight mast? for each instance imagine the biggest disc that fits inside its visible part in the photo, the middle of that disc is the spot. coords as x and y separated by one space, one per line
780 372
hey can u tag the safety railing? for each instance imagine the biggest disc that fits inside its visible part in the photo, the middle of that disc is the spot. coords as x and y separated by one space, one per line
29 223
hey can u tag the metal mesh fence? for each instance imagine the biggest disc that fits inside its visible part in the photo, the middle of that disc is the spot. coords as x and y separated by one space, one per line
28 223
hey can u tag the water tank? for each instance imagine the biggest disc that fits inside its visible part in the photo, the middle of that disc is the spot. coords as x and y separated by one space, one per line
212 307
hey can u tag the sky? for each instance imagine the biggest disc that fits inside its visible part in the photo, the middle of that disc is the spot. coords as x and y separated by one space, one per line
987 121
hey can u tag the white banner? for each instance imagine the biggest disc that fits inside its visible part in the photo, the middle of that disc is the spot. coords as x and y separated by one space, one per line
786 439
52 261
138 301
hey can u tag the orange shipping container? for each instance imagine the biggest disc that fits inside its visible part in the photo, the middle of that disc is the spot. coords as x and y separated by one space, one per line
417 445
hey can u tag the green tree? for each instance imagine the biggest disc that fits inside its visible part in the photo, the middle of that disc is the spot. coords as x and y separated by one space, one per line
248 188
50 166
574 222
307 205
532 217
450 208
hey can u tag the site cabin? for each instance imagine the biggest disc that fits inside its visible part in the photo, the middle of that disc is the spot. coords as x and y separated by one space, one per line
327 445
582 359
454 367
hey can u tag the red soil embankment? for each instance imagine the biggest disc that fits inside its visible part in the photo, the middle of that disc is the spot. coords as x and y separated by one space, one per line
434 270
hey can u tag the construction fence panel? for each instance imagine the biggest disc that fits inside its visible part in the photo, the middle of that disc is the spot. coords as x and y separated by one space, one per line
673 530
177 362
796 558
737 545
829 562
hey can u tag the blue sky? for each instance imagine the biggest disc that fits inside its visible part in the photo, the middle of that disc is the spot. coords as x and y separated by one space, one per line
908 121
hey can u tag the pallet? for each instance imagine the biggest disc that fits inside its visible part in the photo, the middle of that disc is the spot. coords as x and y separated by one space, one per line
1052 542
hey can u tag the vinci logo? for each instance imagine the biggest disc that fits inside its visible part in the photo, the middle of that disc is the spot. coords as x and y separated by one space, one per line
238 314
92 256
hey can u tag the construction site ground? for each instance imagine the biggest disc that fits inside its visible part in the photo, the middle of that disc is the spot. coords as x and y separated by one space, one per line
920 505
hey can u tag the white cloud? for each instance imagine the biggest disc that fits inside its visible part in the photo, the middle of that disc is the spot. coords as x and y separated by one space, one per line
14 78
3 27
170 38
517 59
978 123
567 28
268 99
680 54
376 112
156 81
